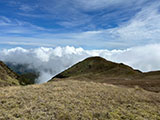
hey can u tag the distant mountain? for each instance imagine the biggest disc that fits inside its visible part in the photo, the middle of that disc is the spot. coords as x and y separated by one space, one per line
26 74
11 74
20 68
7 76
98 69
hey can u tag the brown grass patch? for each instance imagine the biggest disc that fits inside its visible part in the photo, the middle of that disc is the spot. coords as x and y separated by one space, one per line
75 100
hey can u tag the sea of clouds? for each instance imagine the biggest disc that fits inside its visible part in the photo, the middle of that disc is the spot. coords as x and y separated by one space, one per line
51 61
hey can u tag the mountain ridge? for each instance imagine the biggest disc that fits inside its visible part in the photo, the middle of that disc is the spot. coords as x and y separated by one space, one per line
95 65
97 69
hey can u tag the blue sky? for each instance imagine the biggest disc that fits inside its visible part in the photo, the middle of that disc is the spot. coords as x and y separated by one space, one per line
90 24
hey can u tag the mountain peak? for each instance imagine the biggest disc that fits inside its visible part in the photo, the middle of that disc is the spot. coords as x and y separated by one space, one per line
97 69
97 66
95 58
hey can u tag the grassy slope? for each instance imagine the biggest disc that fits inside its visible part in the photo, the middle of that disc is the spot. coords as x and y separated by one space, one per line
98 65
73 100
7 76
100 70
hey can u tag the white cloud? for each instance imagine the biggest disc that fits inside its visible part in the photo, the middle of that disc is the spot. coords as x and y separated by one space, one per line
49 61
100 4
26 8
142 29
15 26
4 21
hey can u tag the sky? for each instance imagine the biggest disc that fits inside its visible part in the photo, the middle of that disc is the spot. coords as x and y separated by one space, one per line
90 24
52 35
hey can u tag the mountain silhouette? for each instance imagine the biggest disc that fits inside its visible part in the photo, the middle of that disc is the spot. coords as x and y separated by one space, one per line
97 69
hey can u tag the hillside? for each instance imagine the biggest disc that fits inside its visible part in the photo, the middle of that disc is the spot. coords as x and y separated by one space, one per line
98 69
7 76
82 93
98 65
78 100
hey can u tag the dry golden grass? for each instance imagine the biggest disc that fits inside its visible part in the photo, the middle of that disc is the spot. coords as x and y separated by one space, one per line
7 76
78 100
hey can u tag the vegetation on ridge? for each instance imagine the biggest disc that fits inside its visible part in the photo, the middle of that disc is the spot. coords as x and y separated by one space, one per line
98 69
94 65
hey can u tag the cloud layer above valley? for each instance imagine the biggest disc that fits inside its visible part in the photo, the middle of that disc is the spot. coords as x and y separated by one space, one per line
49 61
